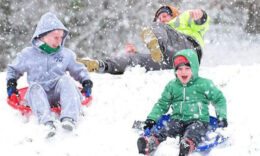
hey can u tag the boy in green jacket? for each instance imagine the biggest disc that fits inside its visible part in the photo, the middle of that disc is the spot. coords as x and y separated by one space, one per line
189 96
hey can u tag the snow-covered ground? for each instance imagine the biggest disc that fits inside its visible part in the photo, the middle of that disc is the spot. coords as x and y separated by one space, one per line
118 100
231 61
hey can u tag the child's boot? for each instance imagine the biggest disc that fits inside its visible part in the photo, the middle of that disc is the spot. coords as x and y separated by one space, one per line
50 129
93 65
141 144
186 146
68 124
152 44
147 145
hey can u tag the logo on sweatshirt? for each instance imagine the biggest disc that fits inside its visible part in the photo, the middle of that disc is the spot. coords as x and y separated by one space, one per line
58 58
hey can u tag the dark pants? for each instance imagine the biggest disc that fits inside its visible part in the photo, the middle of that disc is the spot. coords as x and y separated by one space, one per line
117 65
170 42
193 130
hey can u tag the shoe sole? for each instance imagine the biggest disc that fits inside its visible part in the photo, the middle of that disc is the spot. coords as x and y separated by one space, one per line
51 134
152 44
90 64
141 144
67 127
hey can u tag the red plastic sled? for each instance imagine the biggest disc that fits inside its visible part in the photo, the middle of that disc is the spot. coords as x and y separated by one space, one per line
21 104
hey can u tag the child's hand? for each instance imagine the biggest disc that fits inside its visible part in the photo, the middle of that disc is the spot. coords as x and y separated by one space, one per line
149 123
87 86
196 14
11 87
130 48
222 123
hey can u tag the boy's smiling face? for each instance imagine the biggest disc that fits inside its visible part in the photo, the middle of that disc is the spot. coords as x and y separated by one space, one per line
184 74
165 17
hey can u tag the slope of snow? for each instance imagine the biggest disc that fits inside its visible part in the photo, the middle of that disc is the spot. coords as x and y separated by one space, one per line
118 100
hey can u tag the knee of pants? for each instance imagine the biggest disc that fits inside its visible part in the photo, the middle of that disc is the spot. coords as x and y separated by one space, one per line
65 79
196 133
65 82
36 93
35 87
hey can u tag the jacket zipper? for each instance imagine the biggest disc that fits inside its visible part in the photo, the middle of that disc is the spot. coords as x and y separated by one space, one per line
184 94
47 63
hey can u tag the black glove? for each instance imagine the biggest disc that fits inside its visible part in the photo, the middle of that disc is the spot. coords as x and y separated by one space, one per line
222 123
11 87
87 86
149 123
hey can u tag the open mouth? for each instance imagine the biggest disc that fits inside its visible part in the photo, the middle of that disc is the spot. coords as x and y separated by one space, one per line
184 77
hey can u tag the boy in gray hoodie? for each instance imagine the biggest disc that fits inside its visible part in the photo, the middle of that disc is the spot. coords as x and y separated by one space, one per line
46 63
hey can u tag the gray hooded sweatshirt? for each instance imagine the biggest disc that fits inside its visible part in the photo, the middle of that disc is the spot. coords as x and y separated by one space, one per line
46 69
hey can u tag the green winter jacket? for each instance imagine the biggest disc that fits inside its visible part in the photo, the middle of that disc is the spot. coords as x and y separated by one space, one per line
190 101
184 24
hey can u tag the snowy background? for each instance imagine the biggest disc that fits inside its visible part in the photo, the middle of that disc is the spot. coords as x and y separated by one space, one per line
100 28
118 100
231 59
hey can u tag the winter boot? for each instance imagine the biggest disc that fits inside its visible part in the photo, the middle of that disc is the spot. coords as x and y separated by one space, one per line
186 147
67 124
141 144
147 145
152 44
93 65
50 129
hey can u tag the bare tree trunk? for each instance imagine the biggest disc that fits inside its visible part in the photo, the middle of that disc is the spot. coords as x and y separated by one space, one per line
5 29
253 23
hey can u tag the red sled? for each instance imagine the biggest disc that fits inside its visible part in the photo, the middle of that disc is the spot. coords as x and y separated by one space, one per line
21 104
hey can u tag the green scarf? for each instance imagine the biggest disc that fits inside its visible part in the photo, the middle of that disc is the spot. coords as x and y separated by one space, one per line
48 49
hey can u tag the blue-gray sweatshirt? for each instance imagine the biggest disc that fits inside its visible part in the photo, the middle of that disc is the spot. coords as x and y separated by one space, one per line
42 68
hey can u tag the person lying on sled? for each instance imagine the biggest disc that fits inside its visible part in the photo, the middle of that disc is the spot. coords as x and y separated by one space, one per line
46 63
189 97
171 31
164 14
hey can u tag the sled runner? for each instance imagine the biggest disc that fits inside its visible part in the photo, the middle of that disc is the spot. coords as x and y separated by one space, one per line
213 138
21 104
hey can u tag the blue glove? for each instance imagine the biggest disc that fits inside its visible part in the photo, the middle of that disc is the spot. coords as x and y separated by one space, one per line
11 87
87 86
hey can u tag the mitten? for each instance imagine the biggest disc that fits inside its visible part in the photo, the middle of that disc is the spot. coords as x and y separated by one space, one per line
149 123
11 87
87 86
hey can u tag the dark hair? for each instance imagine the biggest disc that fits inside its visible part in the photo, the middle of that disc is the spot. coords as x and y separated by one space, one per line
182 64
164 9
